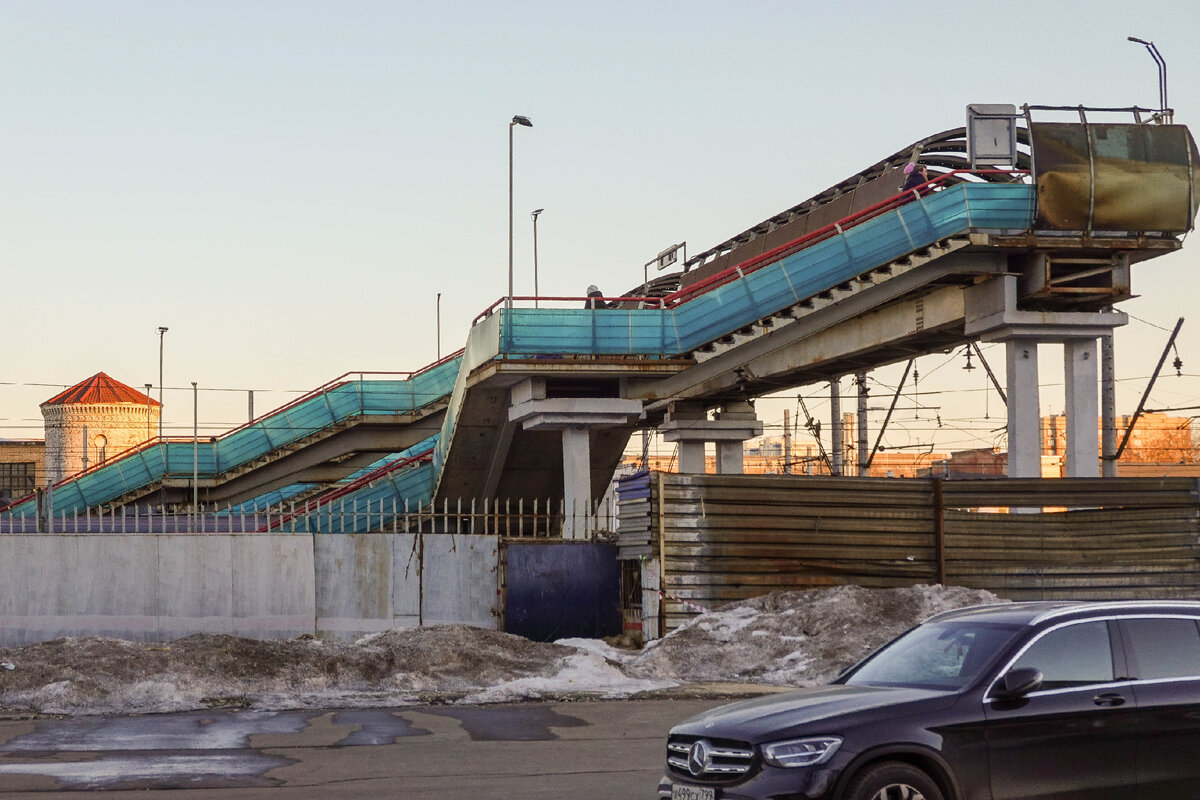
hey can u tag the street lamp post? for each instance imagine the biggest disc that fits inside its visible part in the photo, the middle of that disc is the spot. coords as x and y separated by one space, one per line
1164 109
524 121
161 331
195 452
536 293
149 401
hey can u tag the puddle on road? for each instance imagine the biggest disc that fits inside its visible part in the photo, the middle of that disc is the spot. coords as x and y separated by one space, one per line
212 749
198 749
375 728
189 731
509 723
157 771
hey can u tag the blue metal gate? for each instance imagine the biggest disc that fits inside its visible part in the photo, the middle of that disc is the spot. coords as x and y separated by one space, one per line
557 590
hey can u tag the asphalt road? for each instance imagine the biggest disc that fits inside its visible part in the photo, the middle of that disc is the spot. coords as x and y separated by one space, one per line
555 751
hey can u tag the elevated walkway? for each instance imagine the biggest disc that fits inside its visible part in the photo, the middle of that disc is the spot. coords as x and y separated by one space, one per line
807 296
323 436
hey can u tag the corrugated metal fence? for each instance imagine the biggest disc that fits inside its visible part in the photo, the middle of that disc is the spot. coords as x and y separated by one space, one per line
716 538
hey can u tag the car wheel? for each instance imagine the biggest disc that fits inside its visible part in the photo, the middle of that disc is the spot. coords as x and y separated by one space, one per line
892 780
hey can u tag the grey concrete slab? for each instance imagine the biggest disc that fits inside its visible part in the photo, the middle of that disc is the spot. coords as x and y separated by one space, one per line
116 586
274 592
37 592
195 585
353 574
406 579
461 580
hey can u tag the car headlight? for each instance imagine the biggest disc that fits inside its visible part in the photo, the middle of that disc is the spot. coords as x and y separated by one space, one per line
801 752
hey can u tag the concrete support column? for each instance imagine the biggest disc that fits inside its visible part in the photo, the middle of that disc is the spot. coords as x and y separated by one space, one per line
1080 371
689 426
681 425
577 480
835 428
1108 407
742 420
1024 409
574 418
691 456
729 458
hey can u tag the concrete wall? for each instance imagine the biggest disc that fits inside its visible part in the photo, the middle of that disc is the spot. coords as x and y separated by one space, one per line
161 587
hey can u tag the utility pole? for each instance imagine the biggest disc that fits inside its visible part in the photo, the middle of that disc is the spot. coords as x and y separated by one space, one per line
835 433
864 465
787 442
1108 408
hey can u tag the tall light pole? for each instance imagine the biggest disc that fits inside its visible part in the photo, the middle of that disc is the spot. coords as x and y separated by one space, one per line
195 451
439 326
536 293
517 120
1164 110
161 331
149 401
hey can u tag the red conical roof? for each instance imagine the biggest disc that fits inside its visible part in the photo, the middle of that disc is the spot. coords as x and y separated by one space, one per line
100 388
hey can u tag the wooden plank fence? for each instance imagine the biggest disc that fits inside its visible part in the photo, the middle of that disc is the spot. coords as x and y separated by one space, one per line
726 537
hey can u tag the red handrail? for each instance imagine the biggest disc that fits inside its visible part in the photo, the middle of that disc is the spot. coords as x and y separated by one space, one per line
743 268
571 299
157 441
356 484
820 234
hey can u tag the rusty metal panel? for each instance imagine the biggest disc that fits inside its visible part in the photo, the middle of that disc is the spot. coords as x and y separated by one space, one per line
729 537
1115 177
1143 552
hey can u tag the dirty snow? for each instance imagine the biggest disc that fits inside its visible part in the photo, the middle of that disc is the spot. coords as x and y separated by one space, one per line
783 639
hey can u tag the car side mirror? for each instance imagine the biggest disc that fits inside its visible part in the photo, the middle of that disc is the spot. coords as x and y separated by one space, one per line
1020 682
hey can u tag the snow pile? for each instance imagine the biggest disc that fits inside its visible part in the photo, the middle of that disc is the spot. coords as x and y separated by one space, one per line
786 638
97 675
795 638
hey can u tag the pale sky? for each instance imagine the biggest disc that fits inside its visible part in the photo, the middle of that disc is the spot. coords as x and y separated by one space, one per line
288 186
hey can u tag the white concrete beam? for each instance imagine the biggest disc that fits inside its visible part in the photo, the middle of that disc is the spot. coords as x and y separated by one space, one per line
1080 373
577 482
1024 415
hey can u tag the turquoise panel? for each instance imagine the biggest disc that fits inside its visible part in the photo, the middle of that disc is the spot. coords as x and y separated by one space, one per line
373 506
555 332
346 400
265 500
774 287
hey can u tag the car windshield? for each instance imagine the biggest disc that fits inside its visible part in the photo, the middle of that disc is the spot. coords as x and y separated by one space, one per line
937 655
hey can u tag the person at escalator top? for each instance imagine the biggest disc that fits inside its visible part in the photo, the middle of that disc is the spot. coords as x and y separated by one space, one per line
594 294
916 175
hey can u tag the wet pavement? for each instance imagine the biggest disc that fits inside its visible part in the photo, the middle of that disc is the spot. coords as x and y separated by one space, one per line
529 750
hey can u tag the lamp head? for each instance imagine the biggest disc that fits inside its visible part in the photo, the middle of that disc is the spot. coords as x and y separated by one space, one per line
162 330
537 211
1139 41
519 120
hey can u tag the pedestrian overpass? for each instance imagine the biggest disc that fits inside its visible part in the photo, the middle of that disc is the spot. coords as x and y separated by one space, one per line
539 405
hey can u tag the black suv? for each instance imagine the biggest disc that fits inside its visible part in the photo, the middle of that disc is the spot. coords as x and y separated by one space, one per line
1053 700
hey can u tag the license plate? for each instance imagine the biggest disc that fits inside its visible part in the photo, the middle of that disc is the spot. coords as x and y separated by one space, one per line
681 792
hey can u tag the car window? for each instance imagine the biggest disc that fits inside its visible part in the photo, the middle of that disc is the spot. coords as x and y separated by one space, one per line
936 655
1163 648
1074 655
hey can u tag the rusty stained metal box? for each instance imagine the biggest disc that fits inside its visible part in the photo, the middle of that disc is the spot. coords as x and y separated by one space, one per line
1115 177
1076 279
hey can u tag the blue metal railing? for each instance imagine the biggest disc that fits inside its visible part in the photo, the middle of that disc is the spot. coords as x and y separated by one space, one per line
667 331
312 414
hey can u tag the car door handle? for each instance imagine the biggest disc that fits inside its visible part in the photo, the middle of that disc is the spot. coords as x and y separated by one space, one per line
1109 699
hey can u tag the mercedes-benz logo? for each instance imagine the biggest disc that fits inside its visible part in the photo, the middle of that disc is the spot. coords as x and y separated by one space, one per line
699 759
